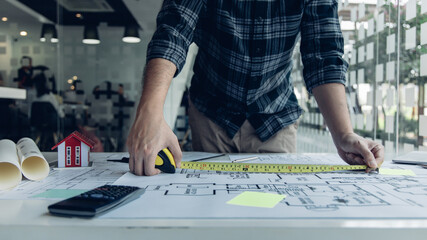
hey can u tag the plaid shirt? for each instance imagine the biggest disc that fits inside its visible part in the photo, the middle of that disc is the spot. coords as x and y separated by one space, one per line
244 63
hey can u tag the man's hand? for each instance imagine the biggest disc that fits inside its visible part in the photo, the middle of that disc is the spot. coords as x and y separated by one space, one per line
150 133
354 149
351 147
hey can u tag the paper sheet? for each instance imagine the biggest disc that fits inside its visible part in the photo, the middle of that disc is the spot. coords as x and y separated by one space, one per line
370 30
390 97
423 6
380 22
257 199
353 14
423 35
410 38
409 96
379 73
10 169
411 9
370 51
389 124
361 54
361 10
204 195
370 98
391 43
390 72
360 75
361 34
423 125
423 63
378 97
397 172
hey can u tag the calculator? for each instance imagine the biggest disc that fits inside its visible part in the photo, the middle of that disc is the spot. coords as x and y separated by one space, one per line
96 201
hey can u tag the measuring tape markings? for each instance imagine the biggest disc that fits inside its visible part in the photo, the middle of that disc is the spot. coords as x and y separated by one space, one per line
268 168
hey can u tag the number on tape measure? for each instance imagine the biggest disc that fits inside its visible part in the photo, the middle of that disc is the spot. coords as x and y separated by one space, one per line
268 168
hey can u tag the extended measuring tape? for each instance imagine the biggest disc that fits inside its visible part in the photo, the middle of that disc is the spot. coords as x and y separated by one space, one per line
166 163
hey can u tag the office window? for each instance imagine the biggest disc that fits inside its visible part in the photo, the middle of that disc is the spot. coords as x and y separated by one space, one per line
68 156
78 155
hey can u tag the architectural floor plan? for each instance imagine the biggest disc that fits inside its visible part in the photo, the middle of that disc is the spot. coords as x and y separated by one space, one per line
197 194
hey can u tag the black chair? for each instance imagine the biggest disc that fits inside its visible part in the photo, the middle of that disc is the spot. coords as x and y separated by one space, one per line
45 120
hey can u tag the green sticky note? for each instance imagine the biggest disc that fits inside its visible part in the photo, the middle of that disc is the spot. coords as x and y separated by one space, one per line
60 193
257 199
402 172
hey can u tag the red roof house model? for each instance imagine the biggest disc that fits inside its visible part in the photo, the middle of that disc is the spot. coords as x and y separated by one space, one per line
73 151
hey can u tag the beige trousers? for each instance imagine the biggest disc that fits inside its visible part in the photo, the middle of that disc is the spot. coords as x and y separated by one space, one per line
207 136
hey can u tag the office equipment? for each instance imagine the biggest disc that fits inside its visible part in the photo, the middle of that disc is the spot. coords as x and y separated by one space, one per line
414 157
244 159
96 201
268 168
21 158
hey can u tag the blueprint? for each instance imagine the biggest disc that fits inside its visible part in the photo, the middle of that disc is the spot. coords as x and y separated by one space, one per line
344 195
100 173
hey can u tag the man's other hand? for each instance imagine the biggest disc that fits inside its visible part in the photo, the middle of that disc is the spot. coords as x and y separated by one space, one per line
356 150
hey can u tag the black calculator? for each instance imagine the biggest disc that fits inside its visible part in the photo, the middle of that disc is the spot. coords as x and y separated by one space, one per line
96 201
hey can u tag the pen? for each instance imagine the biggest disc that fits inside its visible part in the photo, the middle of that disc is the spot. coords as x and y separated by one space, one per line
244 159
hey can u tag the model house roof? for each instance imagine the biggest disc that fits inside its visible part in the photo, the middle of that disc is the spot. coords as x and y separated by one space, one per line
80 137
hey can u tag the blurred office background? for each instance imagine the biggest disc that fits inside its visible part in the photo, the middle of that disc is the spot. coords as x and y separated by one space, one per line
80 73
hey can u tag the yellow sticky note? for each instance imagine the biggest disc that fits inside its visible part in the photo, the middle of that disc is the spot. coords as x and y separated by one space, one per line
403 172
257 199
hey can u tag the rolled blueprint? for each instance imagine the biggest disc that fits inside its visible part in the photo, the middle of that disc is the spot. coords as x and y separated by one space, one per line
33 164
10 170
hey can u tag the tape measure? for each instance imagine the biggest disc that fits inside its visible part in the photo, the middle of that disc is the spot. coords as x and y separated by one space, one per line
166 163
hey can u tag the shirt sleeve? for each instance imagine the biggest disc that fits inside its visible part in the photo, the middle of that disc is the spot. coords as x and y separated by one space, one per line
322 44
176 23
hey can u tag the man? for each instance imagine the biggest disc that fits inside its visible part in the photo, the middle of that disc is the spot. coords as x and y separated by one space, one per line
241 96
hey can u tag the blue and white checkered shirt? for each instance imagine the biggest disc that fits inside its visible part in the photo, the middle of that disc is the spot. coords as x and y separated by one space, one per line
243 67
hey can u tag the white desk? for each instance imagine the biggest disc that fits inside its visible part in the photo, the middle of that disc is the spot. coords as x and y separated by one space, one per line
12 93
24 219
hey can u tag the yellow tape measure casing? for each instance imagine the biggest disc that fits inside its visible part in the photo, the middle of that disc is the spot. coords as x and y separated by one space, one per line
165 161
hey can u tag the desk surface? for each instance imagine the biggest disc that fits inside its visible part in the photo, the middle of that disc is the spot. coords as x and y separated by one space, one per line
21 219
12 93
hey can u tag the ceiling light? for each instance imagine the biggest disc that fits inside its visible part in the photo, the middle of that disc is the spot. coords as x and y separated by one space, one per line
49 30
4 19
131 34
90 35
78 15
23 33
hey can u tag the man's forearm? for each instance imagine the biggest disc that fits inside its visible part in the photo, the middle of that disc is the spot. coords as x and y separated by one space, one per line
157 78
333 105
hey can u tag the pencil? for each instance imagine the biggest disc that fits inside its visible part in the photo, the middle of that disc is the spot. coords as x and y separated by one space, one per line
244 159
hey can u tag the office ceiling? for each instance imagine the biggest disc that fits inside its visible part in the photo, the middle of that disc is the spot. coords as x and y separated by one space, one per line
93 12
